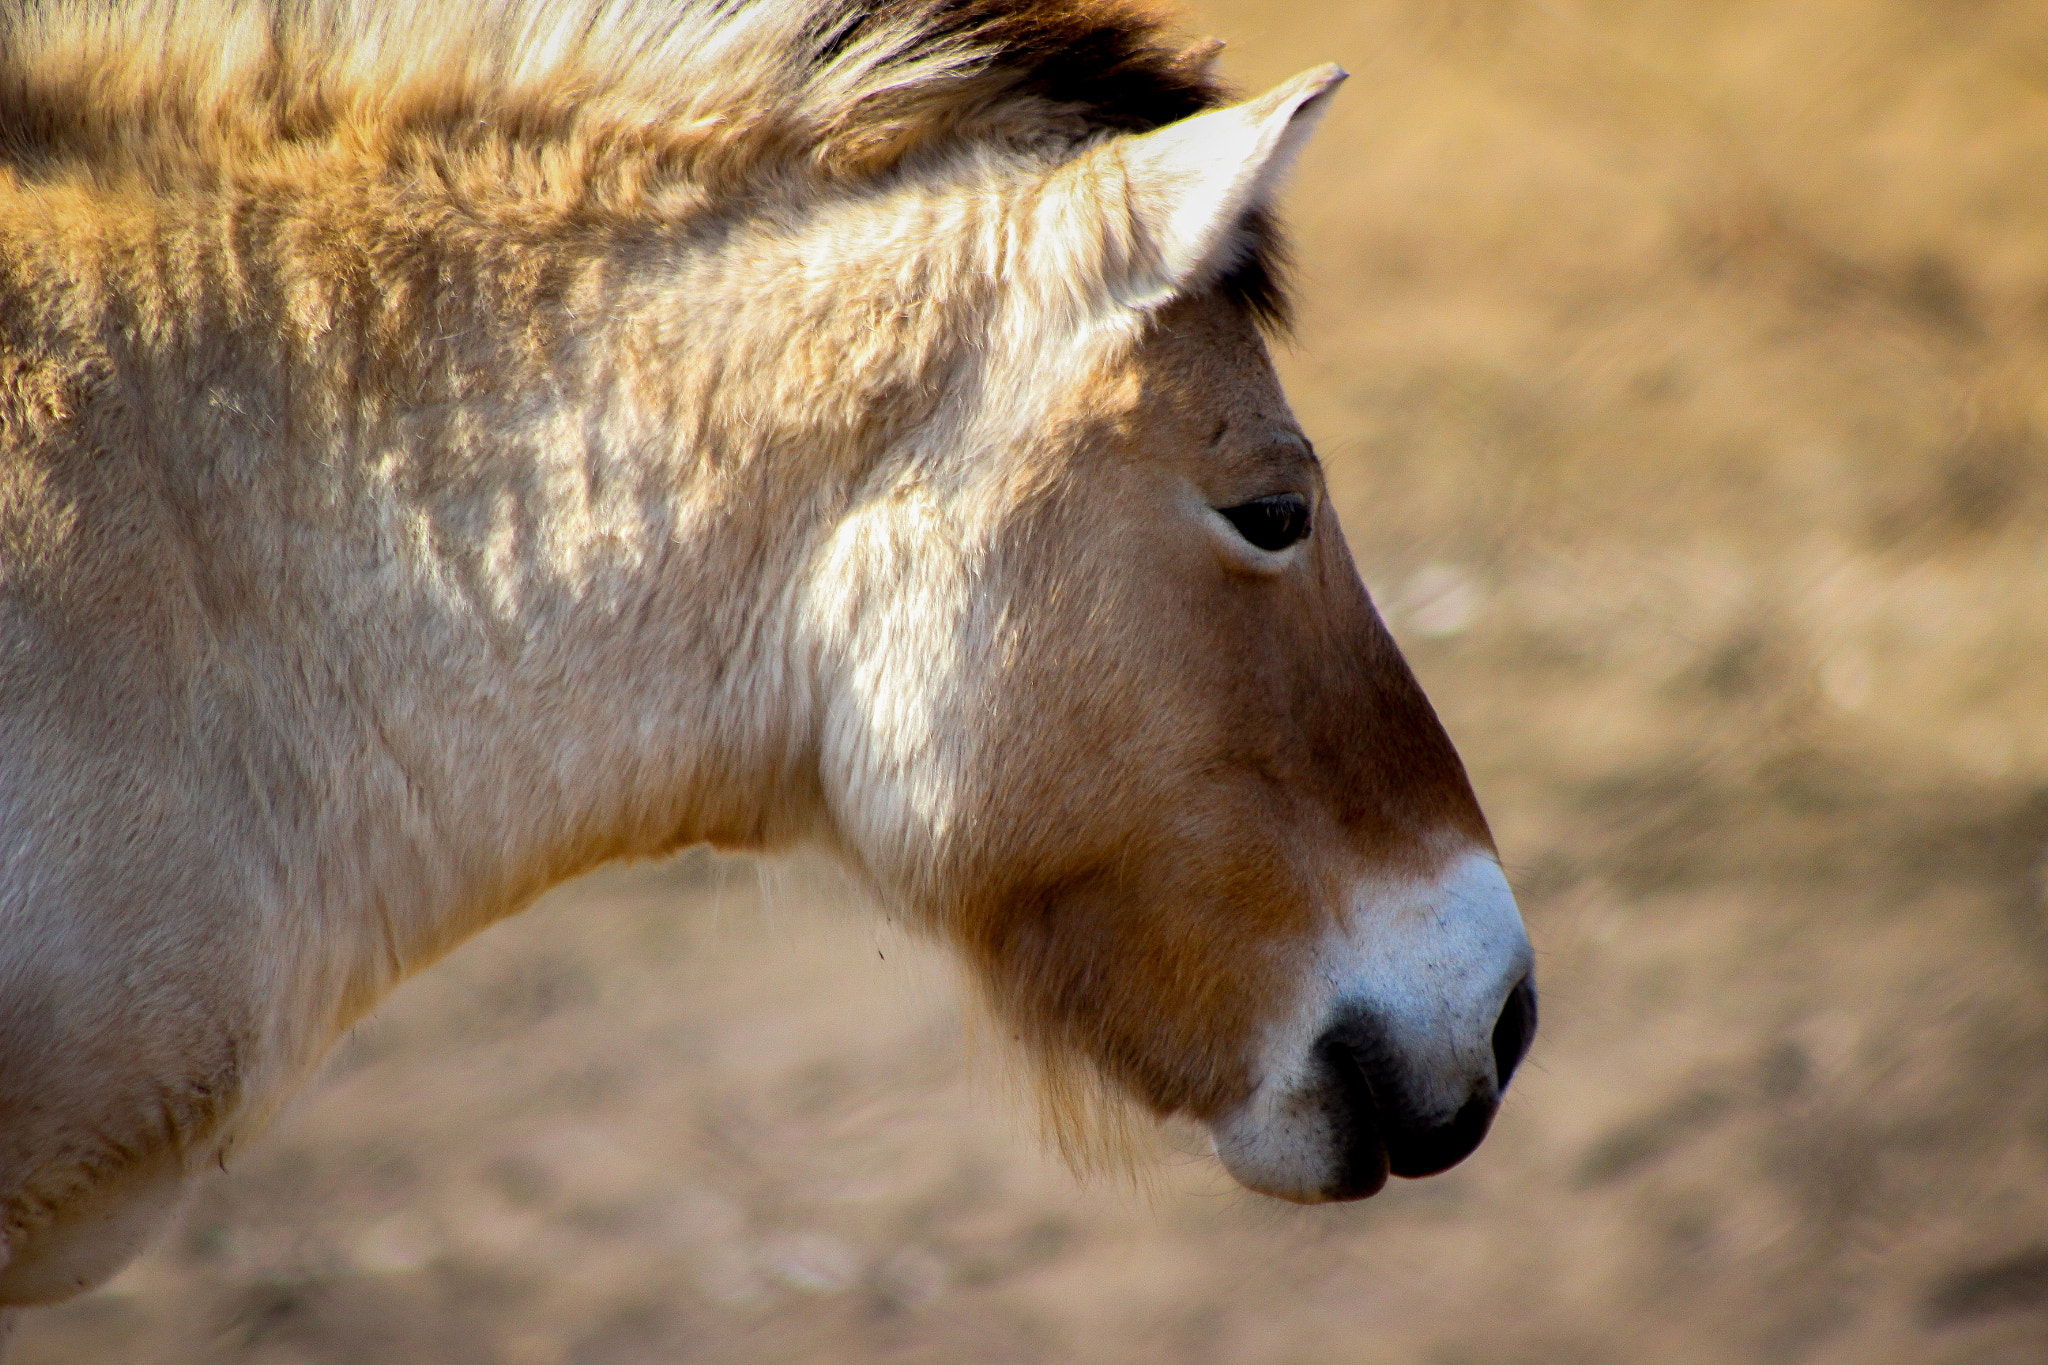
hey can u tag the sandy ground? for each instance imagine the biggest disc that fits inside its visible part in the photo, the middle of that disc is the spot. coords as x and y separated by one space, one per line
1679 369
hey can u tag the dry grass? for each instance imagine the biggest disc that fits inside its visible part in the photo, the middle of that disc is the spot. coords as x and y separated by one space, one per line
1681 371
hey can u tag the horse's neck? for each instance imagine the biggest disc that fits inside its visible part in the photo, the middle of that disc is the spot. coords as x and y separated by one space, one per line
583 646
443 618
493 565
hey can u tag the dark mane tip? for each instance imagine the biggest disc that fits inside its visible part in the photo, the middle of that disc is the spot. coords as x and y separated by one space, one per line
1106 59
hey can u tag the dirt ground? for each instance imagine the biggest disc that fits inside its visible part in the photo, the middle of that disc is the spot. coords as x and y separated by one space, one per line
1679 369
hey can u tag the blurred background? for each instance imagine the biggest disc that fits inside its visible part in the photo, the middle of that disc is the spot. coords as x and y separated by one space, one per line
1679 368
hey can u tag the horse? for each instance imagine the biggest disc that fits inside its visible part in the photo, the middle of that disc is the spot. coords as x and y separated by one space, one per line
448 446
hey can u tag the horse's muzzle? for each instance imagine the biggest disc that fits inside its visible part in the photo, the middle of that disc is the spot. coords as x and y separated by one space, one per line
1413 1021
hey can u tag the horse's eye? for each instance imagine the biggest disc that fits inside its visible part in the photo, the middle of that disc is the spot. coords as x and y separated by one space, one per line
1271 523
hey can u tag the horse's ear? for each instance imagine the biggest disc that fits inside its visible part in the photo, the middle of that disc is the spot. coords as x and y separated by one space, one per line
1191 184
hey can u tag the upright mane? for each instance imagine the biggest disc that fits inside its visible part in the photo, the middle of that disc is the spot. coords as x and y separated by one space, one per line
616 107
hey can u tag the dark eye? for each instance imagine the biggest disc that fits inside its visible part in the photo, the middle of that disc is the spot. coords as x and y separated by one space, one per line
1272 523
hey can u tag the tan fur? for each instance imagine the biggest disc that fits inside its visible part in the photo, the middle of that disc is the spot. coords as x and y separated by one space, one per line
446 448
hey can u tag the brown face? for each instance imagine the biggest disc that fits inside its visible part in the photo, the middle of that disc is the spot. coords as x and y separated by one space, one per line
1213 816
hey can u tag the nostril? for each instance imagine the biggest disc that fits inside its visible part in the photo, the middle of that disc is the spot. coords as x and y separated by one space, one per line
1511 1035
1371 1092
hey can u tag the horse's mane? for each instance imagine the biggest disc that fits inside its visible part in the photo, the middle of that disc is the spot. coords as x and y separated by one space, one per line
636 93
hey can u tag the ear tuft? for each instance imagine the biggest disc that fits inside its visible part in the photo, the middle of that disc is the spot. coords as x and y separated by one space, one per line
1191 184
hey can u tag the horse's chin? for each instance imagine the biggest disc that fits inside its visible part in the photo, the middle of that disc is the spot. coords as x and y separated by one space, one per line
1291 1149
